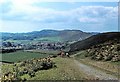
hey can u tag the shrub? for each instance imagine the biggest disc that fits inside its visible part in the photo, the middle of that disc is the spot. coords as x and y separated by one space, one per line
21 73
31 73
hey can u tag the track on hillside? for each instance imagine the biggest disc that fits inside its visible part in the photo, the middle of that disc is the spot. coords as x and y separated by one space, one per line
90 71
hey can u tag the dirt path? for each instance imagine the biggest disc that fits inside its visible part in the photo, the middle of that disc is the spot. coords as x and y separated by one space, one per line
90 71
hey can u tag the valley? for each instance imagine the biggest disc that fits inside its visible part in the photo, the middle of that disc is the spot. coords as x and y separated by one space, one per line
89 59
59 41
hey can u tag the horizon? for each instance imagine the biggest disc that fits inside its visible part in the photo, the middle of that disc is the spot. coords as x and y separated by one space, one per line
60 30
27 15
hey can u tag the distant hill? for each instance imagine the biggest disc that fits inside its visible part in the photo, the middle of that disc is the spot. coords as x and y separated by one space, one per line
63 35
94 40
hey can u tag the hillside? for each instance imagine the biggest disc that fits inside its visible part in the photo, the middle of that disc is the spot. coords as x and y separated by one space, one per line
108 51
74 35
94 40
63 35
105 46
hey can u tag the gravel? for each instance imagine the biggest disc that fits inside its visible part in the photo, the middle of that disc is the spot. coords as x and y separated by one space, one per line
89 70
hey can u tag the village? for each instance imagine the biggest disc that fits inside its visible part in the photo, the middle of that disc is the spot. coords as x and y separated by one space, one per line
7 47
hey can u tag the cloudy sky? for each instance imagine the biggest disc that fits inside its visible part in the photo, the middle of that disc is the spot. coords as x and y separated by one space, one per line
35 15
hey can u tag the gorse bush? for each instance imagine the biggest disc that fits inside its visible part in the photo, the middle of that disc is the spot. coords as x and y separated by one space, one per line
108 51
29 67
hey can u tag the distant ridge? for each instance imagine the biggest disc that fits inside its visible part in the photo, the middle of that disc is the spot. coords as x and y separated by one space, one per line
63 35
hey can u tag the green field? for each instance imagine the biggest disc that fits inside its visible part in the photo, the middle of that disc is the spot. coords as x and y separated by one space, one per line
21 55
23 41
50 39
43 39
50 52
19 41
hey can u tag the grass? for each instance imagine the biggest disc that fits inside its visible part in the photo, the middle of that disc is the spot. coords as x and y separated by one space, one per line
21 55
19 41
65 70
7 68
44 39
50 39
106 66
23 41
50 52
81 54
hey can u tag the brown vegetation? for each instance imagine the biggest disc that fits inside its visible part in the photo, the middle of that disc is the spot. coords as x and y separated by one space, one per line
108 51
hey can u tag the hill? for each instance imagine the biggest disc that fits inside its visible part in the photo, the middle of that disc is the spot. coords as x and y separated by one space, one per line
46 35
104 46
94 40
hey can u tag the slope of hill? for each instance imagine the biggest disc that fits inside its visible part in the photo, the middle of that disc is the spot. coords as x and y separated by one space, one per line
108 51
63 35
104 46
94 40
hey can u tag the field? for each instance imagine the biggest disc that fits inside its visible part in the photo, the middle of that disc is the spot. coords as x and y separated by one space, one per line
21 55
50 52
43 39
19 41
49 39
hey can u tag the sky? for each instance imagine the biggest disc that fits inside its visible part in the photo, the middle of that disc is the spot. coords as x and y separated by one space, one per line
34 15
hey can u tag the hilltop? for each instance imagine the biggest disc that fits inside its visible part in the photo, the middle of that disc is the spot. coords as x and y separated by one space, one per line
48 35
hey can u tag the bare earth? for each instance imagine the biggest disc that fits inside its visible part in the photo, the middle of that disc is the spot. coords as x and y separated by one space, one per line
90 71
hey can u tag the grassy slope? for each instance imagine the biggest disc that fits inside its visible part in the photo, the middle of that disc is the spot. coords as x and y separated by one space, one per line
65 70
21 55
107 66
